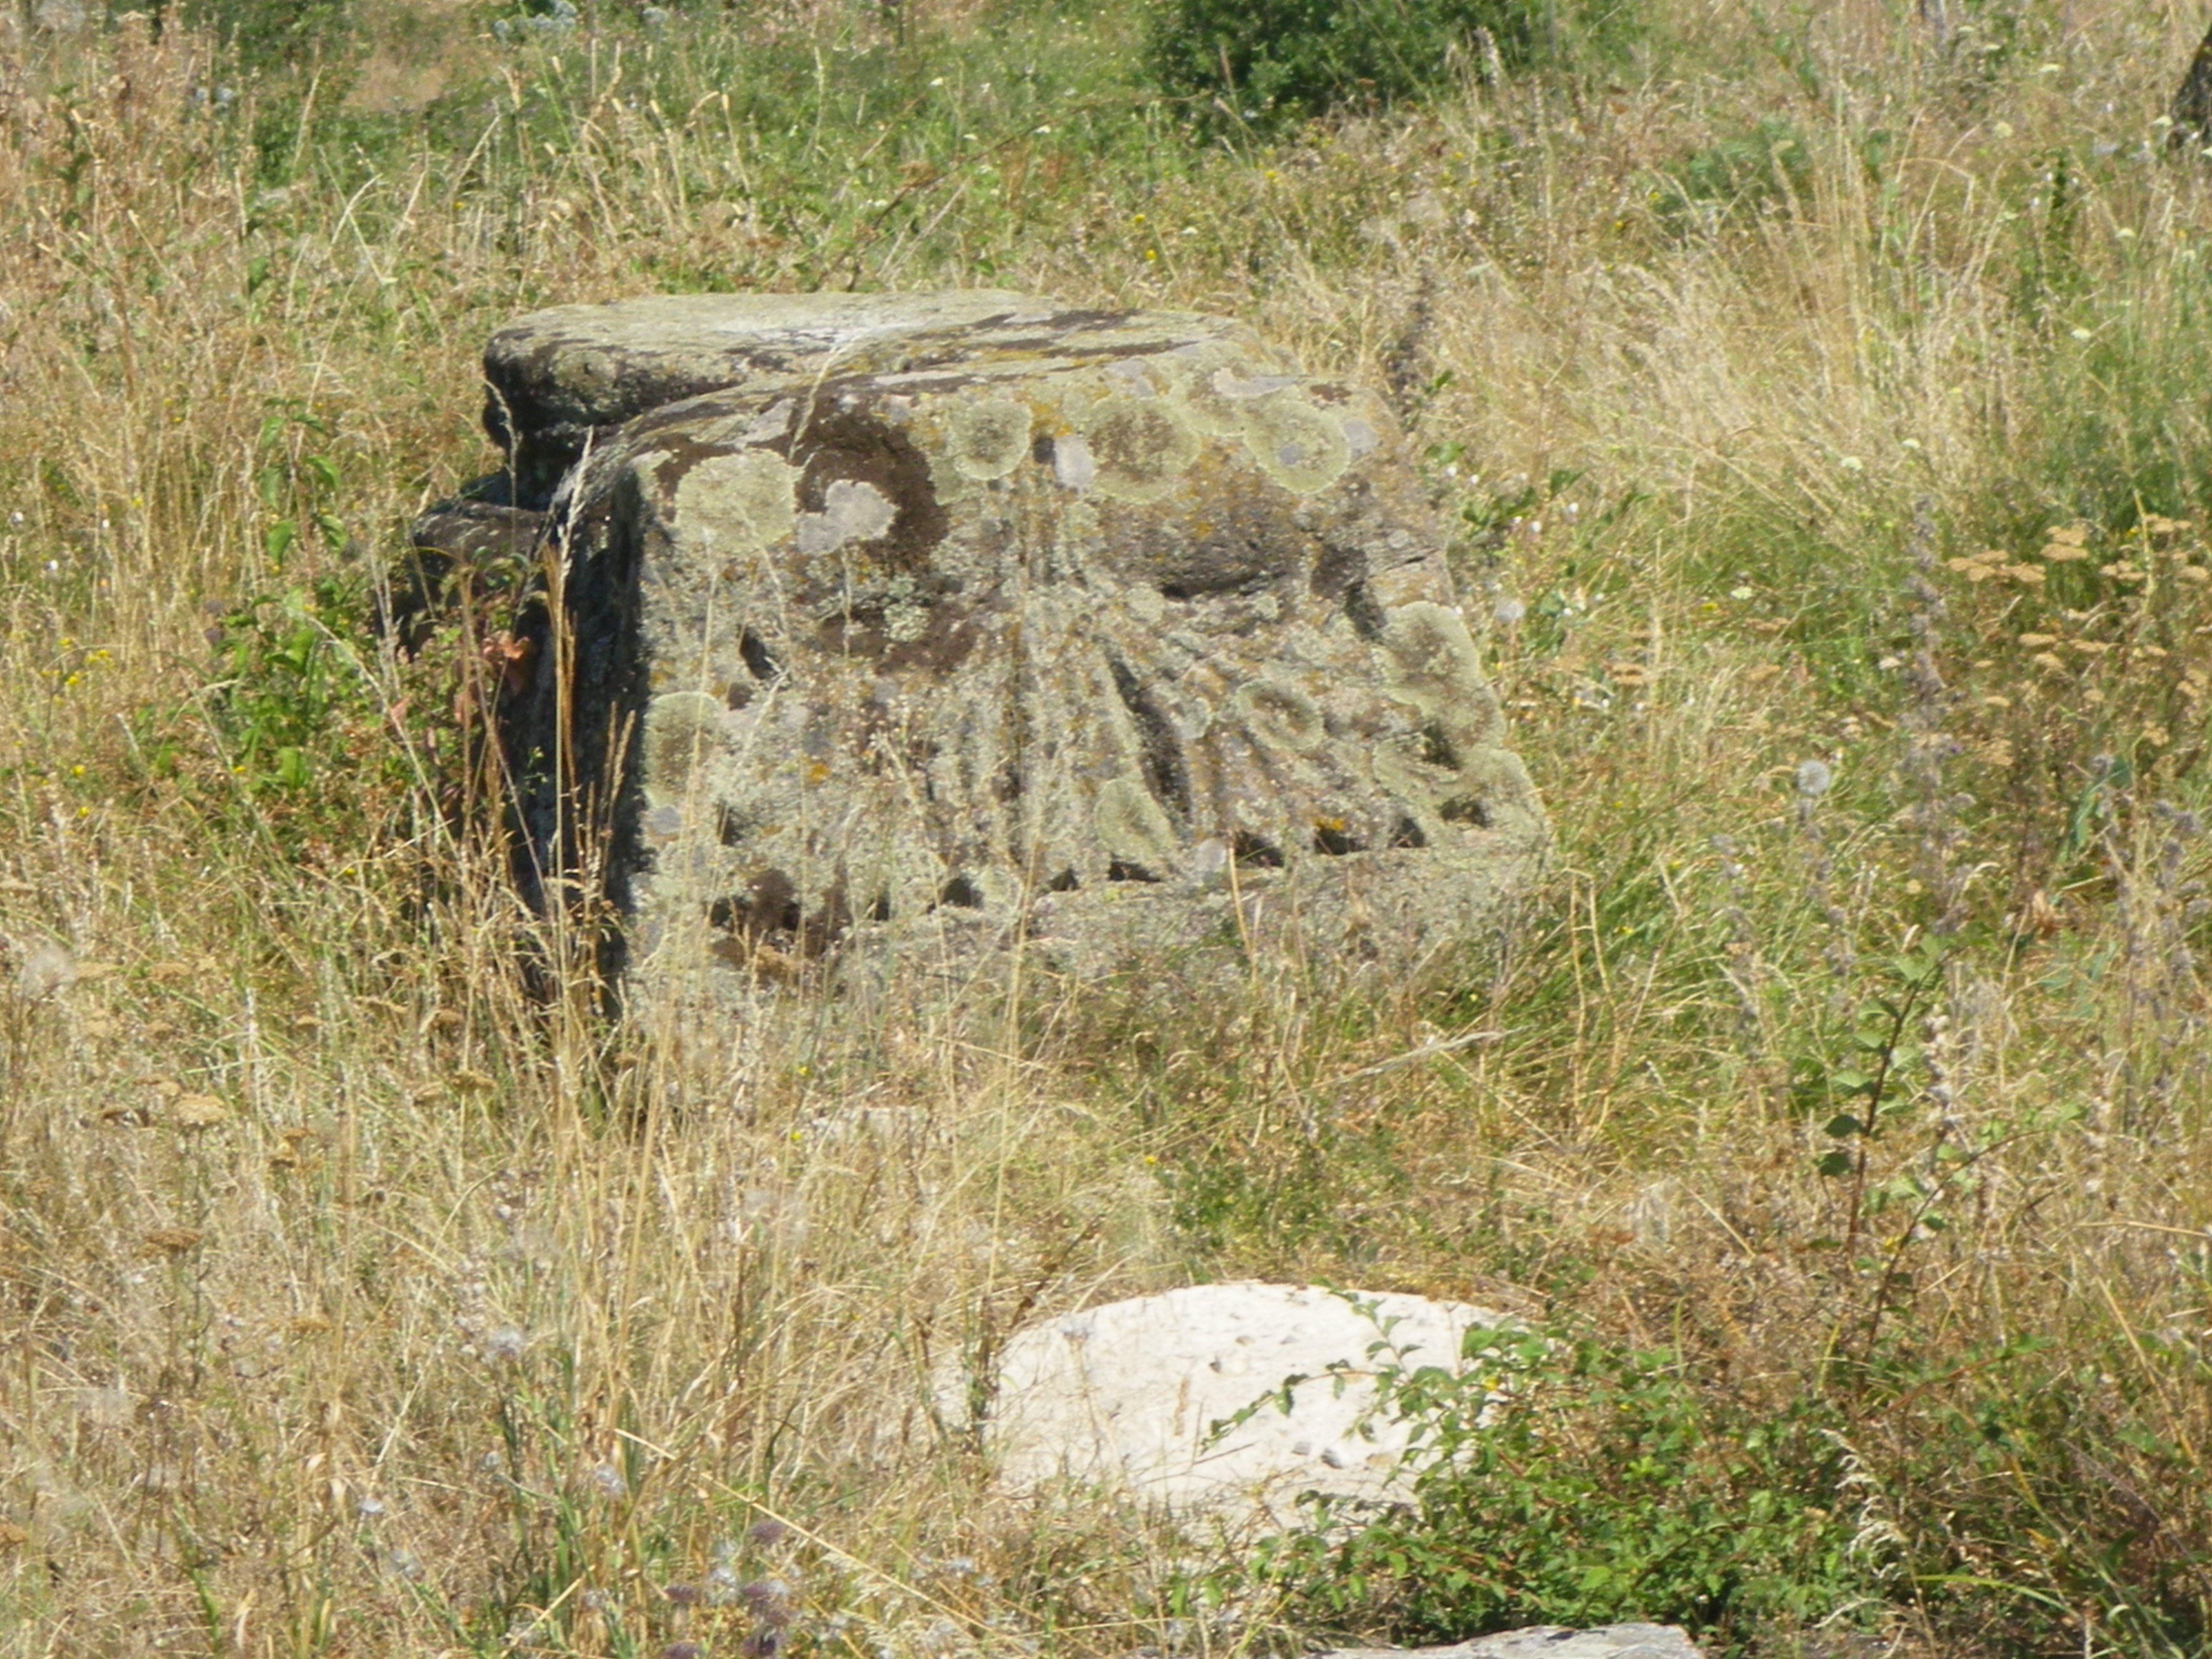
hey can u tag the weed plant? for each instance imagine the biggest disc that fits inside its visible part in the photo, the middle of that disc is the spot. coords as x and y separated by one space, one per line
1838 512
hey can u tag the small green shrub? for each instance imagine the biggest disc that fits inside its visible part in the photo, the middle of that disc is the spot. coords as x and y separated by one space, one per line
1573 1485
272 36
1990 1494
1741 173
1261 61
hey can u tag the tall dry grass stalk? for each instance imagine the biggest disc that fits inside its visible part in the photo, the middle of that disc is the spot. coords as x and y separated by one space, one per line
362 1297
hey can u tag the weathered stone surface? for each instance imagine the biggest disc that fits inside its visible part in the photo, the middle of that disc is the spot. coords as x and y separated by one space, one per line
1551 1642
954 622
556 380
1128 1395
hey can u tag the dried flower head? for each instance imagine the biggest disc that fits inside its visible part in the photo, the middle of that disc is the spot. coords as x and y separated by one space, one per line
769 1532
759 1593
198 1112
1815 778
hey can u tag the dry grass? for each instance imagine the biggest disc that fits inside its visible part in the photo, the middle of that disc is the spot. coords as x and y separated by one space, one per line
357 1300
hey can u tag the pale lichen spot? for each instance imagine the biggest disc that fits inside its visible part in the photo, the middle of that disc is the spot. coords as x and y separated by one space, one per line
1241 388
1201 385
770 424
906 619
1133 828
852 511
1072 464
683 729
1295 444
663 824
1209 861
988 439
737 503
1138 449
1434 665
1280 716
1430 649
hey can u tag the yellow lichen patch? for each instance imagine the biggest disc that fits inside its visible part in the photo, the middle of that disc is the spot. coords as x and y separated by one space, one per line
1138 449
737 503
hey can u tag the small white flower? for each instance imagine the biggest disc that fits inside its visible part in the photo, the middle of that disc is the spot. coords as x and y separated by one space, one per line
1509 611
1814 778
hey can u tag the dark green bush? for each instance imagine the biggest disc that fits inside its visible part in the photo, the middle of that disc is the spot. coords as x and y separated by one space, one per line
1741 173
2002 1497
263 36
1262 61
1603 1487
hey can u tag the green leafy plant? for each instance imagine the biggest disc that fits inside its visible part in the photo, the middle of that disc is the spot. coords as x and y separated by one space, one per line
1568 1483
1866 1082
285 684
273 35
1278 59
1735 175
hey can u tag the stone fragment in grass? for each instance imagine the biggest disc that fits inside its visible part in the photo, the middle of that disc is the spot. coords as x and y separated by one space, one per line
1127 1396
933 627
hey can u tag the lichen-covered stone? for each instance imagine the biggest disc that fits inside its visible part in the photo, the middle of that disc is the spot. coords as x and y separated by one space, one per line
951 624
556 380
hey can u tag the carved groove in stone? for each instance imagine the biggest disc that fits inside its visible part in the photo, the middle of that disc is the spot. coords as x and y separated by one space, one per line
954 623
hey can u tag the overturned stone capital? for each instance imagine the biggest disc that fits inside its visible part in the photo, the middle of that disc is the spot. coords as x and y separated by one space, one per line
939 628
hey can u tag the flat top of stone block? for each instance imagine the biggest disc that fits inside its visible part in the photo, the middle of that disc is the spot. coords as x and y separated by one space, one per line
582 366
